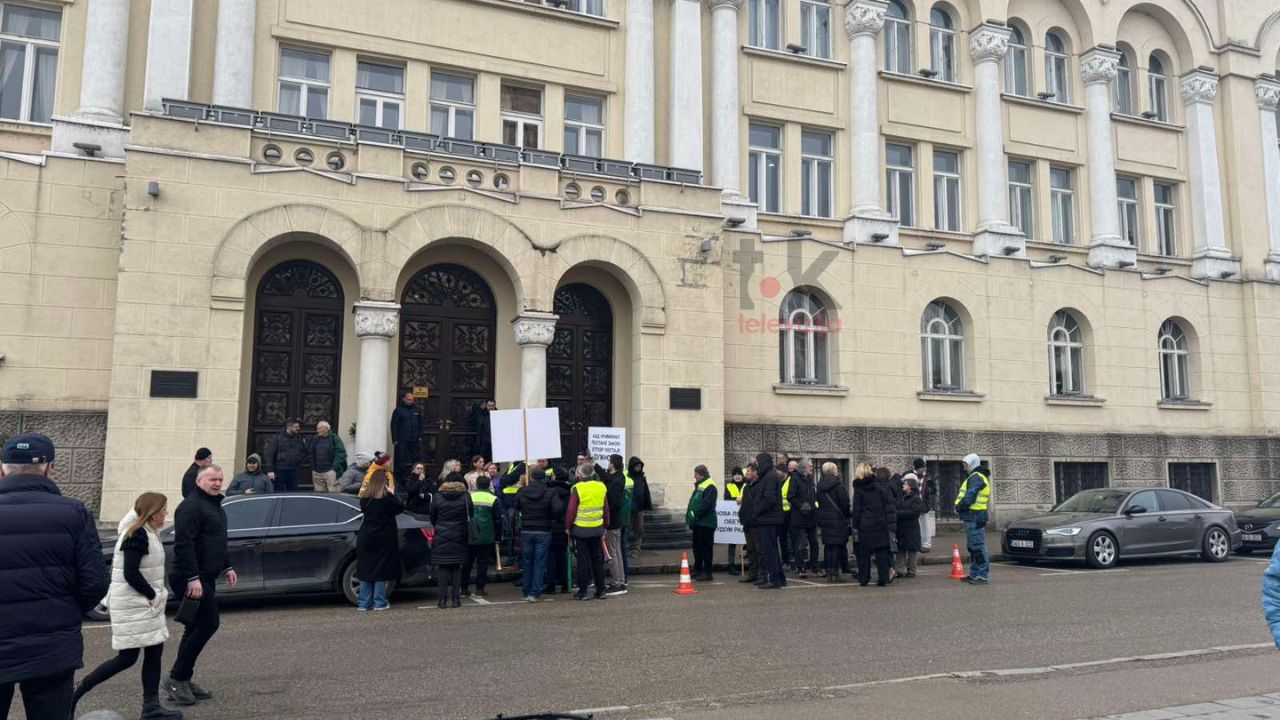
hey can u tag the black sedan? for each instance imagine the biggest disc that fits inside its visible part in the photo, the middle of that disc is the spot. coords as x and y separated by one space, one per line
300 543
1260 525
1100 526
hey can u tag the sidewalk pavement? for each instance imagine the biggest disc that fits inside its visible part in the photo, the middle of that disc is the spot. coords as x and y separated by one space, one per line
1255 707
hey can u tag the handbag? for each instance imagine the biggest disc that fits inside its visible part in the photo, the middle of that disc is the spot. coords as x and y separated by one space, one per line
186 614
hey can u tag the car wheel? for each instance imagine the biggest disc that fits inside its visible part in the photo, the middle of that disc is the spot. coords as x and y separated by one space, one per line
1102 551
1216 546
348 584
99 613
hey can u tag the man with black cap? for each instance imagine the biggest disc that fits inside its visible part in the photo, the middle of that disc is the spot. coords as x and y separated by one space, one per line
203 459
54 572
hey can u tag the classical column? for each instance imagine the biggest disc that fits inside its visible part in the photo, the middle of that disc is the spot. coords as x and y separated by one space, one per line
988 45
168 53
233 54
868 222
725 112
534 332
1210 257
376 324
97 126
1268 93
638 100
1098 68
686 84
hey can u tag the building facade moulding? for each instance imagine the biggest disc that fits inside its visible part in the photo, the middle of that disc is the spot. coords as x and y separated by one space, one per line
631 267
1099 65
865 17
989 42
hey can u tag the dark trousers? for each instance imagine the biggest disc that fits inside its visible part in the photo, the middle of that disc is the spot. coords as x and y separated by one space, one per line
44 698
804 546
704 546
590 553
124 660
772 555
831 558
784 539
755 552
449 579
844 559
558 562
883 564
286 481
200 631
404 455
479 557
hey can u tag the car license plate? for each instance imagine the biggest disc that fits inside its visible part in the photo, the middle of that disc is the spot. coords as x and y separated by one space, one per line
1022 543
1252 537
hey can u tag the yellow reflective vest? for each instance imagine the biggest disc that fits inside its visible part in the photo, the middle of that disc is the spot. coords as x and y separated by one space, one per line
591 498
983 500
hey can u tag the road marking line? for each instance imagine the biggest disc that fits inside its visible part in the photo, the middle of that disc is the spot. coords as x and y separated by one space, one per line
802 582
1085 572
480 601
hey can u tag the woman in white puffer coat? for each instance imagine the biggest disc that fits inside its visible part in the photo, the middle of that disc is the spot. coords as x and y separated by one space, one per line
136 602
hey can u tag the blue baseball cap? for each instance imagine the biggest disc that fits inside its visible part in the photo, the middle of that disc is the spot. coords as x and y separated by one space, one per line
27 449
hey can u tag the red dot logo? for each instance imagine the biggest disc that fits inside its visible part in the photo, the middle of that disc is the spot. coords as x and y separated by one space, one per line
770 287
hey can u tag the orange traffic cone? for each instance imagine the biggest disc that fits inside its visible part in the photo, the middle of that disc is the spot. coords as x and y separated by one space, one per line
686 583
957 567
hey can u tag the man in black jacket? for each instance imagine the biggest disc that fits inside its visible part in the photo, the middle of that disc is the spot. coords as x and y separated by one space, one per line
199 559
287 454
203 459
767 507
615 484
406 433
54 573
537 507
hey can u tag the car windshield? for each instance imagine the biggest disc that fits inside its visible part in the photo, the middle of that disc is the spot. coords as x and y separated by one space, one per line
1094 501
1271 502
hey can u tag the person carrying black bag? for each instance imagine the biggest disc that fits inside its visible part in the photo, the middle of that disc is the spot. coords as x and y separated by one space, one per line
875 519
832 518
803 530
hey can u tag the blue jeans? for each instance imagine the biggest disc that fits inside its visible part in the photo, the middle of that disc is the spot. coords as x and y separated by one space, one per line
975 536
534 546
373 595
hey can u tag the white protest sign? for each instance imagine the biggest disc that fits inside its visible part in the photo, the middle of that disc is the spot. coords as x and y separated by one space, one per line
728 529
605 441
544 433
508 432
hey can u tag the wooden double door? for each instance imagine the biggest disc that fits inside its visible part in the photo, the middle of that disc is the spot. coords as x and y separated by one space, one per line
580 365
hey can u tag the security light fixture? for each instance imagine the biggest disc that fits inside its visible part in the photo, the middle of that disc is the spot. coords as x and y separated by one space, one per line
1125 264
734 222
1226 274
1009 250
935 245
797 48
89 149
801 233
879 237
1047 95
928 73
153 189
1057 258
1163 270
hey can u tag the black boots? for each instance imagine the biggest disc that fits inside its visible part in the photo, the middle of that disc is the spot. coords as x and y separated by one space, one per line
457 600
153 710
443 602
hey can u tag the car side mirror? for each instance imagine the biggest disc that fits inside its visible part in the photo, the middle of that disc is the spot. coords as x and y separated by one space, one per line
1134 510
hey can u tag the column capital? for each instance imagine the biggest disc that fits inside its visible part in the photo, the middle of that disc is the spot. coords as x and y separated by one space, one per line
1267 89
1199 86
535 328
734 5
377 319
989 43
1099 65
864 17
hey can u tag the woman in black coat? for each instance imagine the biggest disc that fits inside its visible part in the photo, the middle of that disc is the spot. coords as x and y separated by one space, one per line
875 516
416 490
910 507
378 543
451 511
833 519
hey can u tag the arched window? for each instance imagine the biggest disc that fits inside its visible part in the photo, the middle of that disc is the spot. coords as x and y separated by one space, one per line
1175 365
1066 355
1056 74
942 342
1158 87
803 332
1015 64
942 45
1124 86
897 39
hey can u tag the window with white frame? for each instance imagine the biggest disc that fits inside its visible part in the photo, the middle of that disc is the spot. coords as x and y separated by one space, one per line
29 39
764 166
1127 195
586 7
946 190
897 39
803 339
584 125
379 94
815 27
453 105
764 23
1158 87
942 345
1175 366
521 116
1062 200
1066 355
815 173
942 44
304 83
1124 86
1056 68
900 182
1166 201
1021 196
1015 64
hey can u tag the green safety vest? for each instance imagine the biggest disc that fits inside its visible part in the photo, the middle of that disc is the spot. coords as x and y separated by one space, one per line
628 494
591 497
786 489
984 495
483 500
707 522
733 490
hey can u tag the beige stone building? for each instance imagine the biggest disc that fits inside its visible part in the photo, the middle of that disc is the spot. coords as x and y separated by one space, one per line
1046 231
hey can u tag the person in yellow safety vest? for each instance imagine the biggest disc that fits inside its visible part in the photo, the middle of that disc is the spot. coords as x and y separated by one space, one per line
507 507
733 491
480 549
701 519
972 504
585 521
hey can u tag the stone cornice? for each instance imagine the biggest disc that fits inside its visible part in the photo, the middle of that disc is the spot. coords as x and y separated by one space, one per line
377 319
535 328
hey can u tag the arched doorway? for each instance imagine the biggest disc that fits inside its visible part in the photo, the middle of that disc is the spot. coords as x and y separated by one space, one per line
447 339
580 364
297 350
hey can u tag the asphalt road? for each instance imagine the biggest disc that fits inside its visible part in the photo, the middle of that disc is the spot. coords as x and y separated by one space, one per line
736 653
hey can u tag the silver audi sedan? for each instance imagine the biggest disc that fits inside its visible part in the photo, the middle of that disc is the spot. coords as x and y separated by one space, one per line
1103 525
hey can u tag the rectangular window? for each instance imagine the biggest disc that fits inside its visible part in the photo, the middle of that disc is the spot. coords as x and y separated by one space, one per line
765 167
815 174
1021 197
1015 71
1197 478
1124 90
304 83
1062 198
521 116
1057 79
942 53
584 125
1159 97
946 190
586 7
453 105
1127 195
1070 478
28 62
815 27
900 182
897 45
1166 219
379 94
764 23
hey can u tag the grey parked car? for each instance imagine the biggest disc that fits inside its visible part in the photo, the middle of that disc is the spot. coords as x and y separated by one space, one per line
1101 526
1260 526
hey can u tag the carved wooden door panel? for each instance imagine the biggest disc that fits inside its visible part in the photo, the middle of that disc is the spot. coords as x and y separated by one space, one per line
580 365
